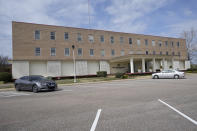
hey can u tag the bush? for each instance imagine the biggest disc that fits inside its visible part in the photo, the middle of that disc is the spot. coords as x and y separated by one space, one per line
5 76
102 73
125 77
119 75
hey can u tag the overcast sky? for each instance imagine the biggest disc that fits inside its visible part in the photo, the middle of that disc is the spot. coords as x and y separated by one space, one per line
153 17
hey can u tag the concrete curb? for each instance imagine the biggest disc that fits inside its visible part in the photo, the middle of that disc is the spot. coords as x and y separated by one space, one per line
11 89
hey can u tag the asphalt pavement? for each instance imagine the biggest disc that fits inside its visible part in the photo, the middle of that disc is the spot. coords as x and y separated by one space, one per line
128 105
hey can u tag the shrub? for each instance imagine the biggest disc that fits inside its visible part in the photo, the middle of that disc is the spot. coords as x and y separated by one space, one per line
119 75
125 77
102 73
5 76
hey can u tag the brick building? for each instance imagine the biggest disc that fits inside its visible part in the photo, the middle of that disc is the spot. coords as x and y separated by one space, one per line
47 50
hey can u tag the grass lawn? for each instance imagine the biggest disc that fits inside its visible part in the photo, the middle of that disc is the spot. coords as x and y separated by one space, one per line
84 80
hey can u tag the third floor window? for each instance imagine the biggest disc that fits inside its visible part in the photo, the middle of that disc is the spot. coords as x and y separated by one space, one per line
121 40
91 38
146 42
79 37
130 41
102 38
52 36
112 39
37 35
66 36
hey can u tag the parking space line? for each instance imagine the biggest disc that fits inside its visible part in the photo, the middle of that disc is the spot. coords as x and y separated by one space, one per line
96 120
185 116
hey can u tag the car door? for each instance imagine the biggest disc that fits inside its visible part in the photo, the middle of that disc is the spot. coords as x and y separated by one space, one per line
163 74
22 82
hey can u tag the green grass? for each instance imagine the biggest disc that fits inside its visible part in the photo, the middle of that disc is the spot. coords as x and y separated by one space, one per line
85 80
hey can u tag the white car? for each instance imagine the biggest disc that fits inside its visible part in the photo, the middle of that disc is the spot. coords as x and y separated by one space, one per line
168 74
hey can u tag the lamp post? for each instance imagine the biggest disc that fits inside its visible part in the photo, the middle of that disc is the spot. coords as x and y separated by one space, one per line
73 47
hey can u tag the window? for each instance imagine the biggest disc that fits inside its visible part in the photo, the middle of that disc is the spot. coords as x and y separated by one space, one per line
91 52
166 43
37 51
66 36
102 52
138 41
178 44
52 35
67 52
37 35
79 52
146 52
166 53
91 38
112 39
179 54
53 51
102 38
160 52
154 53
160 43
79 37
146 42
173 53
24 78
122 53
121 40
112 52
130 41
172 43
153 43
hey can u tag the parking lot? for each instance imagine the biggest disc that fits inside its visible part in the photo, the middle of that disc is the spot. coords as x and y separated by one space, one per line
127 105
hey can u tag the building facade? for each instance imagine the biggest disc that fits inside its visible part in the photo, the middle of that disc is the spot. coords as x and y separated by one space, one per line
47 50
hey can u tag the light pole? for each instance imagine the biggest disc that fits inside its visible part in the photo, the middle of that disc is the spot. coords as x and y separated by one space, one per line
73 47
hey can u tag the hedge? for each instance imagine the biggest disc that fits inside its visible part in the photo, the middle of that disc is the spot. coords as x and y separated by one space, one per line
5 76
102 73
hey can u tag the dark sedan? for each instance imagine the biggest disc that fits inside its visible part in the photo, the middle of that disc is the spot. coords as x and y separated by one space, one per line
35 84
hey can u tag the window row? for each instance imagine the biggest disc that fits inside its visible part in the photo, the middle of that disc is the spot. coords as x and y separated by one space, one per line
102 39
91 52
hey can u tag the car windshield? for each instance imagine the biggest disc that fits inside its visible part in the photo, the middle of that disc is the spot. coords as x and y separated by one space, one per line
34 78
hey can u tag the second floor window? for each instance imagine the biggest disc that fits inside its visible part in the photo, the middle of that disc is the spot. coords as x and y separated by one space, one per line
66 36
121 40
91 52
113 52
37 35
146 42
79 37
112 39
122 53
173 53
102 52
91 38
154 53
67 52
102 38
166 53
146 52
79 52
179 54
160 52
53 51
37 51
52 36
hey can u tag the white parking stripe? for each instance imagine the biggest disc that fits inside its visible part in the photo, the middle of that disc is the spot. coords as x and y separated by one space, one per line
96 120
12 93
185 116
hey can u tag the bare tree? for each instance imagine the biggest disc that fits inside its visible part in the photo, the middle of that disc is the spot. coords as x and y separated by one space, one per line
3 61
191 43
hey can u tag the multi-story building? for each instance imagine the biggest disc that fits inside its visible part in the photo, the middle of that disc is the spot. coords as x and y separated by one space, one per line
47 50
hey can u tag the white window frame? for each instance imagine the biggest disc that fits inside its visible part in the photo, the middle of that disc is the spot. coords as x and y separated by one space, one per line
54 50
102 52
35 35
153 43
91 38
78 51
68 52
138 42
36 53
53 35
92 51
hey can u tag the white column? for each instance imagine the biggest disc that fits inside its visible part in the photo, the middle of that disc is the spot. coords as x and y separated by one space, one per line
131 66
154 65
143 65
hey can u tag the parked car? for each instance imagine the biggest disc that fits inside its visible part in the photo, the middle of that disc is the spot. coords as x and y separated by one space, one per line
168 74
35 83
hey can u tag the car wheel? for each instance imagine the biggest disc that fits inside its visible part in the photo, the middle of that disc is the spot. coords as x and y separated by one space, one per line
156 77
17 87
176 77
35 89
